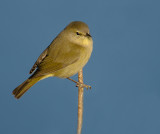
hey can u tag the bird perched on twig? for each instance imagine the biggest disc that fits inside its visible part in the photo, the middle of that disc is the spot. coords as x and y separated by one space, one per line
63 58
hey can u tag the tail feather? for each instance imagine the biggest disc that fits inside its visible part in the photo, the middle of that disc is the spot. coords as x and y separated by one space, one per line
21 89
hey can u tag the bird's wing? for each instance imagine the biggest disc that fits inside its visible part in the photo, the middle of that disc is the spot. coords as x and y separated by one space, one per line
39 60
59 60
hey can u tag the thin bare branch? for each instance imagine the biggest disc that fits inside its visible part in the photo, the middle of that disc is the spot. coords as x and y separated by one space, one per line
80 102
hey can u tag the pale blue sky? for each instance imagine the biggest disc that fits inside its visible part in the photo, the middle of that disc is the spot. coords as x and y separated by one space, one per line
124 69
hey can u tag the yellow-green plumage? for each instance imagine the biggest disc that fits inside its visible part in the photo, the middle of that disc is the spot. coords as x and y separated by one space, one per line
65 56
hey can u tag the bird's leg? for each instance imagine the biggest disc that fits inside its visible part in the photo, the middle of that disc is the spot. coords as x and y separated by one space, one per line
80 84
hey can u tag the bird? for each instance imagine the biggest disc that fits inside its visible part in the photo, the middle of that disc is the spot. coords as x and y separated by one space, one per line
66 55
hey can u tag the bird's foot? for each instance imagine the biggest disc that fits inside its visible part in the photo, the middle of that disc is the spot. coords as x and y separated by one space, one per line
79 84
83 85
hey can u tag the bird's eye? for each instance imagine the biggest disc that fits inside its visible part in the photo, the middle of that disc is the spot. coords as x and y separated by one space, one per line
77 33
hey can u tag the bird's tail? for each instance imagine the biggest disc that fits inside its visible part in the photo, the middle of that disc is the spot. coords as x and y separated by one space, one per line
21 89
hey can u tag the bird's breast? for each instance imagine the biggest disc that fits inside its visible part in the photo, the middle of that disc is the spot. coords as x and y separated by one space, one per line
72 69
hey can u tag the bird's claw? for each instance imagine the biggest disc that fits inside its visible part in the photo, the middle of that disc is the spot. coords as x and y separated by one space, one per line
83 85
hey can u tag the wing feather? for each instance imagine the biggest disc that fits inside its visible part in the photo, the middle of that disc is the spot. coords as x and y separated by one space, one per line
62 60
39 60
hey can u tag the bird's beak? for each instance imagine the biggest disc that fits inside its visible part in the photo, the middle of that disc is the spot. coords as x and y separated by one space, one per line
87 34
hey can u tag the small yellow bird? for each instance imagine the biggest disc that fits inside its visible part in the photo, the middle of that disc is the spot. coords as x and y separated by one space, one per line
64 57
